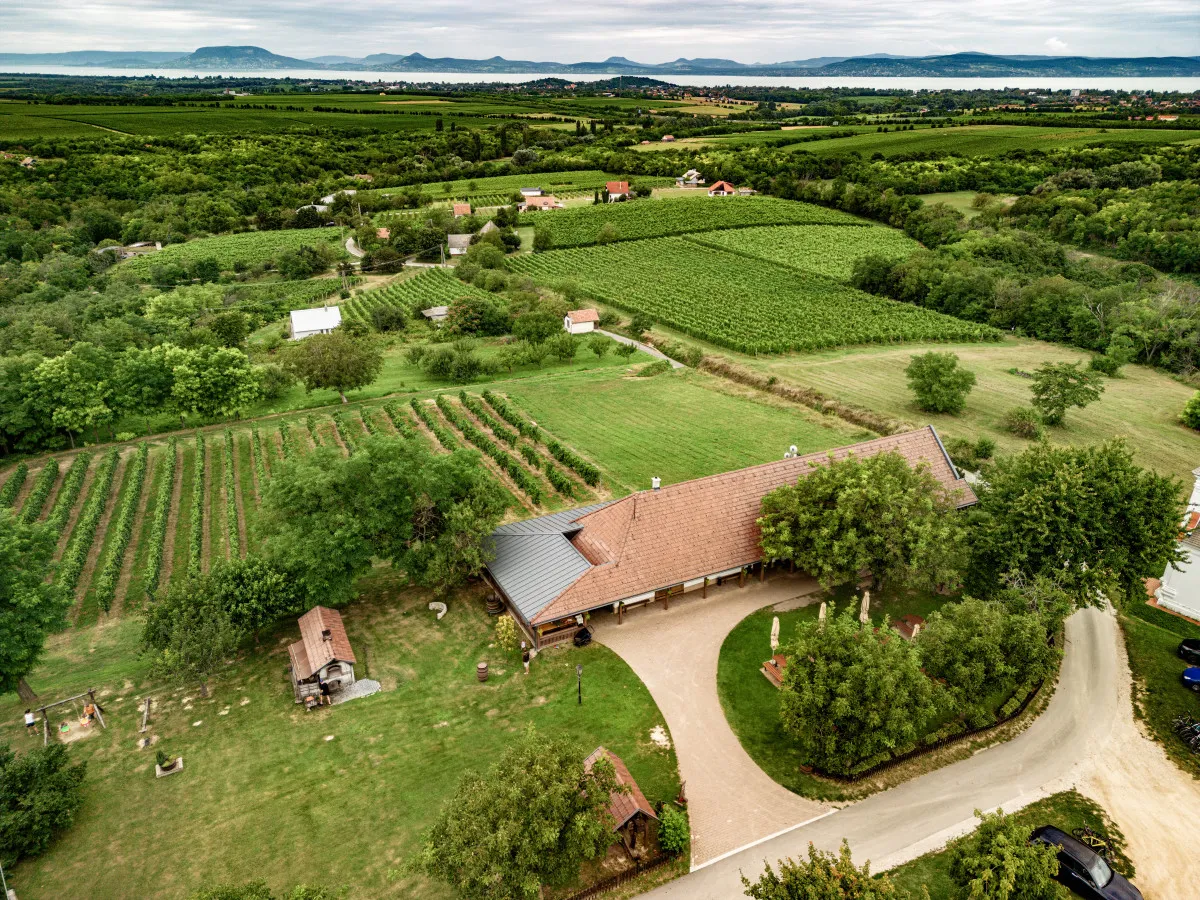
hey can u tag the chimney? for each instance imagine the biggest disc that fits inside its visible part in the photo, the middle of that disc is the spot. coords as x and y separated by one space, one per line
327 635
655 483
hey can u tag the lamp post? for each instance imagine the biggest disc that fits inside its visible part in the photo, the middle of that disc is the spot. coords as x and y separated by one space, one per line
579 681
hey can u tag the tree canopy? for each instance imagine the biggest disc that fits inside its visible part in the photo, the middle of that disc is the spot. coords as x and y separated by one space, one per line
336 361
823 876
851 693
325 516
878 514
997 862
40 793
938 382
1058 386
532 820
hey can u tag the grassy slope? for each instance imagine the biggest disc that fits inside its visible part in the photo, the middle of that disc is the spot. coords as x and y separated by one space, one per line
677 426
1142 407
1068 810
261 783
751 703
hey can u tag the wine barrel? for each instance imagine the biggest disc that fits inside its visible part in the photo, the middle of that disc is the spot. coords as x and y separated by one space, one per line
495 605
481 671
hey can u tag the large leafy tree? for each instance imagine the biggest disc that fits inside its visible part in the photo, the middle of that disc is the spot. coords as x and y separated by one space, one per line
188 641
823 876
40 792
997 862
214 382
327 517
532 820
336 361
851 693
976 645
1087 518
1059 386
878 514
30 607
938 382
74 387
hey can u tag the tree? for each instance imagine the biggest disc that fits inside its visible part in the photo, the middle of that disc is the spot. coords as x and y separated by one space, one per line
940 385
851 693
564 346
326 517
188 642
536 326
213 382
1191 412
142 380
878 514
74 387
600 345
507 635
626 350
543 240
607 234
334 361
40 793
997 862
823 876
639 325
1087 517
975 646
473 314
532 820
386 317
1058 386
30 607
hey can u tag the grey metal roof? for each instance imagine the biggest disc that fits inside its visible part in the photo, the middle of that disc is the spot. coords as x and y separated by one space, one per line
458 241
534 561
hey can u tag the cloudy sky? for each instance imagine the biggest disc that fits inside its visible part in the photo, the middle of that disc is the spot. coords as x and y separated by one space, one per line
645 30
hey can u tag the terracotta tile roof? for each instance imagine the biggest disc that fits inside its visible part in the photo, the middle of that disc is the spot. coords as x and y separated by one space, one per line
655 539
579 316
622 807
462 209
322 641
721 186
617 187
548 200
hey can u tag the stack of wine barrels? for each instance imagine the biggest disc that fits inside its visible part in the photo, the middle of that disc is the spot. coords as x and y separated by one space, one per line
481 671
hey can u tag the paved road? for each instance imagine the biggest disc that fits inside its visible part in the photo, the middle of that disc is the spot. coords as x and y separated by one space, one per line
645 348
919 815
674 651
353 249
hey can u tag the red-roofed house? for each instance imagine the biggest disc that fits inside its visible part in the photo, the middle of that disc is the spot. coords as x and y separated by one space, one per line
461 209
322 656
556 570
631 812
545 201
617 190
722 189
581 321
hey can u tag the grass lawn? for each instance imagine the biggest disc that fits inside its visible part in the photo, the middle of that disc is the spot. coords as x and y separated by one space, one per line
960 200
1151 639
1067 810
751 703
337 796
1142 407
678 425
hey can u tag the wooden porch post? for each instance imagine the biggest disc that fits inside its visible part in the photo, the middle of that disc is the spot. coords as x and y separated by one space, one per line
762 571
620 613
742 577
704 590
667 601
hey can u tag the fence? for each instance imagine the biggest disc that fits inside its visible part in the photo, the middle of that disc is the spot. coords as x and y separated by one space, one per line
622 878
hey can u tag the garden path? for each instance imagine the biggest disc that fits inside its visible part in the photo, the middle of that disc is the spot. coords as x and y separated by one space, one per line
731 801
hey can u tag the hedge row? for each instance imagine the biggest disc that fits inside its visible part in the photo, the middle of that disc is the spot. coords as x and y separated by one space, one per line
574 461
74 559
162 515
231 514
511 416
41 491
472 403
519 474
72 485
196 537
12 487
445 437
122 529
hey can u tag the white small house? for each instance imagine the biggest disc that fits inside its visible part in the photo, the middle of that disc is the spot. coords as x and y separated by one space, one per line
1179 589
329 198
722 189
617 191
436 314
307 322
531 192
689 179
580 321
458 244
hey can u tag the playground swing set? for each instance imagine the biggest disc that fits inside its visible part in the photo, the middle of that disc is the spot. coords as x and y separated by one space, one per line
87 713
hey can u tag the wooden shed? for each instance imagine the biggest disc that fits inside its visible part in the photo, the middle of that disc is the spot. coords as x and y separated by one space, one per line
631 812
322 656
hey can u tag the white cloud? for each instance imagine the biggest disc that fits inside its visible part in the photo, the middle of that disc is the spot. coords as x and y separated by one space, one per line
1054 45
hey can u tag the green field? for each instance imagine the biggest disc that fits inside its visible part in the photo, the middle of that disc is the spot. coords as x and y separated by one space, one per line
662 218
433 287
235 250
1143 407
375 771
747 305
829 250
505 185
988 140
675 426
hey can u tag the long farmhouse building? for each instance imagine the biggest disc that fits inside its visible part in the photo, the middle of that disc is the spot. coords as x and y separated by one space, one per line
556 570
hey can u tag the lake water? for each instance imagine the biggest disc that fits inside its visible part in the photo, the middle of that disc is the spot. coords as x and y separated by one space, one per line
1185 85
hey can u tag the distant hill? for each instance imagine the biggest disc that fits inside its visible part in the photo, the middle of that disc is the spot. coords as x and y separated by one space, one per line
954 65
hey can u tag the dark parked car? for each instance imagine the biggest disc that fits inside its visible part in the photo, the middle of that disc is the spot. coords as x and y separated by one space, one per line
1083 870
1189 651
1191 678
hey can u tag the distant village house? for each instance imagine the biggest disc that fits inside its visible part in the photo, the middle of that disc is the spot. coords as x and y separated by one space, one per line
617 191
458 244
722 189
543 202
581 321
461 209
307 322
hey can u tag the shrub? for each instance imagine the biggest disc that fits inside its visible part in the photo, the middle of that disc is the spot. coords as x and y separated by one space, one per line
507 634
674 833
658 367
388 318
40 793
1024 421
12 487
1191 412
